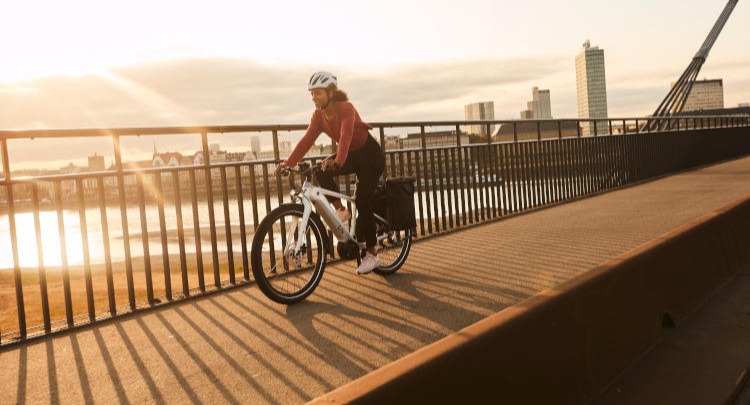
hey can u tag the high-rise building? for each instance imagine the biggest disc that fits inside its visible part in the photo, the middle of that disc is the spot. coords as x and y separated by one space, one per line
539 107
591 87
480 111
705 95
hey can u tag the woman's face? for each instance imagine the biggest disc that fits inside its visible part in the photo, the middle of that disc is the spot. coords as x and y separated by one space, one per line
319 97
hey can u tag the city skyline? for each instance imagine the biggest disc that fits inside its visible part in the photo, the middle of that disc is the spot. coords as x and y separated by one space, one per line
212 67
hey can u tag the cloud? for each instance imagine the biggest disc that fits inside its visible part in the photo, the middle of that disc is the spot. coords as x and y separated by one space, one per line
236 91
439 91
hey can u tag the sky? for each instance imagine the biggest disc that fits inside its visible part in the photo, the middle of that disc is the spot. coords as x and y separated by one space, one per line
94 64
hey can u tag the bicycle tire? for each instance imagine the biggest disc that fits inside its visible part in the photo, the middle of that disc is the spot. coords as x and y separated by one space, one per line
393 247
280 275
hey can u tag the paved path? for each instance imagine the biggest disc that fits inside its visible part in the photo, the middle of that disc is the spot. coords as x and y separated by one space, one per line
238 347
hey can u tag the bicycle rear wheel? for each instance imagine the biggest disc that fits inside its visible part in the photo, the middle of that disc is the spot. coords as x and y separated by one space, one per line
282 275
393 247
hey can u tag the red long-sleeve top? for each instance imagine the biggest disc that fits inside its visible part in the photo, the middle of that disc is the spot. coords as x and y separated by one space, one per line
345 127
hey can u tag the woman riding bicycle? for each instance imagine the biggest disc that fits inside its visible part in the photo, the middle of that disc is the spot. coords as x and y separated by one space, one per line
358 153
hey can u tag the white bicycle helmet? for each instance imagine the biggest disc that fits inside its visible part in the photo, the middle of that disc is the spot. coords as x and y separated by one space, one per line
321 80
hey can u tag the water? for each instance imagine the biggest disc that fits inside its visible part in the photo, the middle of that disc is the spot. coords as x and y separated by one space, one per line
50 236
51 241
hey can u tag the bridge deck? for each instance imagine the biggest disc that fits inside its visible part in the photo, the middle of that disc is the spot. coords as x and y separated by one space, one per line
238 347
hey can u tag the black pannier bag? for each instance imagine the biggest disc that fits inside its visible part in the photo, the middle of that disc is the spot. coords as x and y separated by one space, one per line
380 200
400 203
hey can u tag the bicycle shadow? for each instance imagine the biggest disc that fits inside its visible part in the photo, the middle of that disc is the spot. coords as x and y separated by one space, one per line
414 309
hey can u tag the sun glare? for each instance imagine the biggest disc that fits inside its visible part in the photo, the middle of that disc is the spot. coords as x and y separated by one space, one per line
145 95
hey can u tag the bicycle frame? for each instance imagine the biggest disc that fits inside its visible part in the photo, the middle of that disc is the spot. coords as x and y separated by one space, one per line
310 195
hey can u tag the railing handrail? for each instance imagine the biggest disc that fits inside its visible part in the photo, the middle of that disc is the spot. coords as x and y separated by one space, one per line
213 129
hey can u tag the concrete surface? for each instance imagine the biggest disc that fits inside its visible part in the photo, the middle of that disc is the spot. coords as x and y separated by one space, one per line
238 347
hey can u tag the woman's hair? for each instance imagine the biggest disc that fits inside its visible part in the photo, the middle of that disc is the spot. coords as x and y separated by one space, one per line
338 94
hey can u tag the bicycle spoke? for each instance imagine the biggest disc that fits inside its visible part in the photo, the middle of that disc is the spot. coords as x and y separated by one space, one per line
285 271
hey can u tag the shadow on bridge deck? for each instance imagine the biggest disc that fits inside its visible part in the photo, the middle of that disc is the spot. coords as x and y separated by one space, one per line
238 347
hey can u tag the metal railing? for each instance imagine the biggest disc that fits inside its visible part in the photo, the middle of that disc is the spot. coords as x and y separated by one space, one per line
83 247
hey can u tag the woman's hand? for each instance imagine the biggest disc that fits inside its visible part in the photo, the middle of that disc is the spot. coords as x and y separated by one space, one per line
279 168
329 164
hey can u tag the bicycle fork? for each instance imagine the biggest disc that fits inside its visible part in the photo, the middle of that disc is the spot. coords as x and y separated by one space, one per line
301 228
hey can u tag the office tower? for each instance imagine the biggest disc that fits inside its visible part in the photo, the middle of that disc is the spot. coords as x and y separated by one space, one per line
591 88
539 107
480 111
705 95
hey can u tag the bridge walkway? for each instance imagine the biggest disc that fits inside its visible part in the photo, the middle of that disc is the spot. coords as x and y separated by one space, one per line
239 347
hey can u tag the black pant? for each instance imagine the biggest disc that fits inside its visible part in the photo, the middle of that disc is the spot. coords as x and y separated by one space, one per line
368 164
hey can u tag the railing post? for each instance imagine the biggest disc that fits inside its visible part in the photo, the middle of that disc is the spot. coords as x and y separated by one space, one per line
382 140
382 148
211 214
461 174
538 131
64 255
494 196
124 219
277 158
13 240
86 251
42 270
423 140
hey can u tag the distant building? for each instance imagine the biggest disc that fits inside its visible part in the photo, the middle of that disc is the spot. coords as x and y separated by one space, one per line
432 139
539 107
96 163
480 111
705 95
69 187
214 148
591 87
70 169
739 110
171 159
255 143
524 131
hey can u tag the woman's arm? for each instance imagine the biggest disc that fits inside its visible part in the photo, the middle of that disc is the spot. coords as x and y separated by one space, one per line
347 114
313 131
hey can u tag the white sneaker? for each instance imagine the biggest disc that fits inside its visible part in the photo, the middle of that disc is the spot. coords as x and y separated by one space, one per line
369 263
343 214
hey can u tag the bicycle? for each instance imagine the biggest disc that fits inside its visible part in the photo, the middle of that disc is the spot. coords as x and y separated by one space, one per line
288 271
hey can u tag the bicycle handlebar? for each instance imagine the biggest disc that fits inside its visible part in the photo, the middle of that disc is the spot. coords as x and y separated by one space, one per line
304 168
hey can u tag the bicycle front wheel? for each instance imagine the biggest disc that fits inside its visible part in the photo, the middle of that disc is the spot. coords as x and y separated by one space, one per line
393 247
284 273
